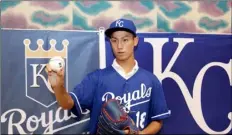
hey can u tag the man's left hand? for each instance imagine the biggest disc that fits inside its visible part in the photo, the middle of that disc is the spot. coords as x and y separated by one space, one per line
127 132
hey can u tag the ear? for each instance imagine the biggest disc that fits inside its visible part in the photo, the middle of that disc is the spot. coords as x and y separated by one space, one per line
136 41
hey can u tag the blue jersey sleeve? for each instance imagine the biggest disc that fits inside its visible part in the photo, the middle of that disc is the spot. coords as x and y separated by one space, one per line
159 109
83 93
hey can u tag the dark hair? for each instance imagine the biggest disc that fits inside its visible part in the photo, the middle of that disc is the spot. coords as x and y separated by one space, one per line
110 32
133 34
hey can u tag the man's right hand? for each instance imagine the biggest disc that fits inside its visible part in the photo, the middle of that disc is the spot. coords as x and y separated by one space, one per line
56 78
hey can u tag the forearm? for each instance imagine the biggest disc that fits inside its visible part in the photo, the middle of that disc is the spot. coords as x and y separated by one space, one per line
63 98
153 128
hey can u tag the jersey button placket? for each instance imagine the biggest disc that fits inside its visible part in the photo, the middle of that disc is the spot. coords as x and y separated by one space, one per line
126 87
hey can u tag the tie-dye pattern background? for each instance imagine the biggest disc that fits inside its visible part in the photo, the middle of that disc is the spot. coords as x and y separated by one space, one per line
205 16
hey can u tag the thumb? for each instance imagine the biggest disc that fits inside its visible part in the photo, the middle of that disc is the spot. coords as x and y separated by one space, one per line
61 72
52 79
126 131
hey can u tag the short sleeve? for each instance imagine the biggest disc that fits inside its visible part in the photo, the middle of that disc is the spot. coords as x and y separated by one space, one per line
159 109
83 93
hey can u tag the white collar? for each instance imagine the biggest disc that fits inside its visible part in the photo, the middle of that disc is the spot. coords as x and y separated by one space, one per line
121 71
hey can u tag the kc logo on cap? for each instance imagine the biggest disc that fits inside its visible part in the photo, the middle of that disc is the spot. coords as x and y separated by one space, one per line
119 23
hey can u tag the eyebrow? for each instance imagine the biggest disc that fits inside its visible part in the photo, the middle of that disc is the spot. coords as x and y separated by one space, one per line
122 37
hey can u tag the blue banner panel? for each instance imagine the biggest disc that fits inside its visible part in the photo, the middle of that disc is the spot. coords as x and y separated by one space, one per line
194 69
28 104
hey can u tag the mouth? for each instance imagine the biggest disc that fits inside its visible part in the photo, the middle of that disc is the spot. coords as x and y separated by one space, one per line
121 53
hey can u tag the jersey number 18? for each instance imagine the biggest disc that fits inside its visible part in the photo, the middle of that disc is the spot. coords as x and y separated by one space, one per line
140 118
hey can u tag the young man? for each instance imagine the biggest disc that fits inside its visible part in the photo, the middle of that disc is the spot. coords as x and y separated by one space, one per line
138 89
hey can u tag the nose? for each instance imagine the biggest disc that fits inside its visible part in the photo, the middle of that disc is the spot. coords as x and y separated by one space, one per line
120 46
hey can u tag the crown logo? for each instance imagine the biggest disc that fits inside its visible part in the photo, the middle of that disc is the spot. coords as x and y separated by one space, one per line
41 53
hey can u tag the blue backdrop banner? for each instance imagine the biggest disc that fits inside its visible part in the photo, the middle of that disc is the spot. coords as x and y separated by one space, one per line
195 71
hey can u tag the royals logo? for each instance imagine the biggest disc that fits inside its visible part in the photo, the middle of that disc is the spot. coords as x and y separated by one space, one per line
119 23
46 117
37 85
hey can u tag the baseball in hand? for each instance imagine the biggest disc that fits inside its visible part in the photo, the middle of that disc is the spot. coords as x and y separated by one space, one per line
56 63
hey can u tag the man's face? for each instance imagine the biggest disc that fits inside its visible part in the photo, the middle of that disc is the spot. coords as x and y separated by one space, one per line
123 44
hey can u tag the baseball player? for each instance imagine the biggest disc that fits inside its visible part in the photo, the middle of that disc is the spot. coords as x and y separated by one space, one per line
139 90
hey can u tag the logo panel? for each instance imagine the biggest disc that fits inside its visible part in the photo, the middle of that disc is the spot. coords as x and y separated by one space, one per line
38 87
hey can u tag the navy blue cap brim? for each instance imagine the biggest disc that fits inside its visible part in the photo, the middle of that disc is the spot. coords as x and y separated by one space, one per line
109 32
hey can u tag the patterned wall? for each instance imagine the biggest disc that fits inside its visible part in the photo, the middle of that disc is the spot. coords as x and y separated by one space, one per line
205 16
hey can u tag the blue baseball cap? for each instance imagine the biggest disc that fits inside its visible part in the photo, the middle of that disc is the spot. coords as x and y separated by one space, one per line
121 24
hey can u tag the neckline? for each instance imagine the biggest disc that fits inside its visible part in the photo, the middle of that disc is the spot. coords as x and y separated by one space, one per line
121 71
124 79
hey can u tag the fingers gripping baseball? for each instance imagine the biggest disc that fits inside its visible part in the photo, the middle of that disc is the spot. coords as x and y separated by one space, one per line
55 70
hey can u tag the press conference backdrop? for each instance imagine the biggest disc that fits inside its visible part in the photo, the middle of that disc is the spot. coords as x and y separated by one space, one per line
195 71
